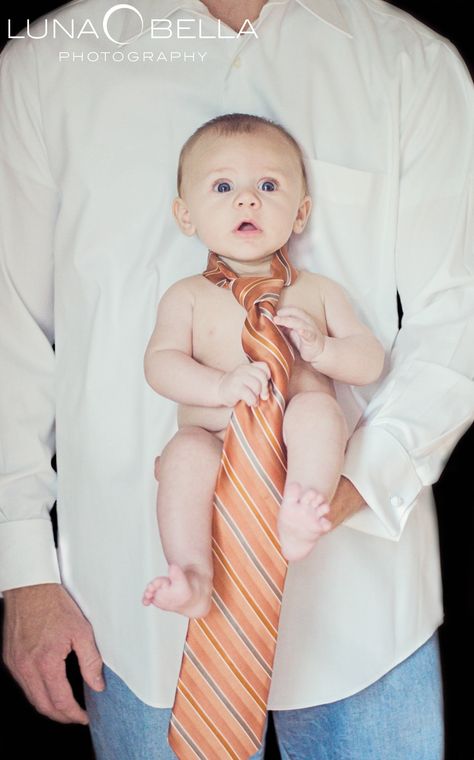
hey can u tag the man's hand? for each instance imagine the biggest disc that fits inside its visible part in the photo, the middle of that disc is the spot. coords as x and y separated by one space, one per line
42 625
346 502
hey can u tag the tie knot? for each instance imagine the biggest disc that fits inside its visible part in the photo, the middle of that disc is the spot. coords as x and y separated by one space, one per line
251 290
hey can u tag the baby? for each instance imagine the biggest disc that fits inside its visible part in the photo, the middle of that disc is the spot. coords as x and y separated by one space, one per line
242 189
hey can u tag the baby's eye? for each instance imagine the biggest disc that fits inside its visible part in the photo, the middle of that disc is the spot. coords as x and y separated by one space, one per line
223 186
267 185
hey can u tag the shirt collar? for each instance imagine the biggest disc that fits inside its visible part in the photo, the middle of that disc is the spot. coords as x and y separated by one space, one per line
329 12
326 10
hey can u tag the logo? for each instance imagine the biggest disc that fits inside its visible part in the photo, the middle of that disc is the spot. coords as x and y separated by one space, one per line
160 28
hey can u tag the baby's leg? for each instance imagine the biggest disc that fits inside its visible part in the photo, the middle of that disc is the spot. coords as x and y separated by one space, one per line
315 433
188 472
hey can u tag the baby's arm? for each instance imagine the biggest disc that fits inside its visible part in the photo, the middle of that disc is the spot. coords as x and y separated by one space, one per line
169 366
171 370
350 353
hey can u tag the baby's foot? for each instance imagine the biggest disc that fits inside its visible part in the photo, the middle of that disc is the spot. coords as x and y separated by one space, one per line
187 592
301 521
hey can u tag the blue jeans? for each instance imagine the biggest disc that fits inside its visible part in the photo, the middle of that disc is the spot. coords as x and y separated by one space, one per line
399 717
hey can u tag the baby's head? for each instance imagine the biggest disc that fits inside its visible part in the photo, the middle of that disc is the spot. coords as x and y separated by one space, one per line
242 187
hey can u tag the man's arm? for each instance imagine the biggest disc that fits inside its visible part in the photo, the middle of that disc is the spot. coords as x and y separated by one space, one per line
426 402
42 622
28 208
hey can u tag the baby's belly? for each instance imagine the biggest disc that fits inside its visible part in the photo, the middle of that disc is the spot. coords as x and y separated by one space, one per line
216 419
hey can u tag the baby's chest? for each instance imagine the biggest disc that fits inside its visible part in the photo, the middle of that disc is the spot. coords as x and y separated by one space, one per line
218 320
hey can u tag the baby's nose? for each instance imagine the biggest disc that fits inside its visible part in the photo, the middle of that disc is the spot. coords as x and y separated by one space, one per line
247 198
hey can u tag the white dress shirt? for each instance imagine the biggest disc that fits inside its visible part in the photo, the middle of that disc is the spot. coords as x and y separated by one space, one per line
382 107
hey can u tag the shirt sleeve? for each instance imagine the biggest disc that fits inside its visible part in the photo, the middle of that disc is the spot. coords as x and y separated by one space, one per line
426 401
28 209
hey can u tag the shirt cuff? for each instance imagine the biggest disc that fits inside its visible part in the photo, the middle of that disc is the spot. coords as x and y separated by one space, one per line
383 473
28 554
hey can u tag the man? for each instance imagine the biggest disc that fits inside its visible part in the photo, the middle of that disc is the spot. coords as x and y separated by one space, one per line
383 109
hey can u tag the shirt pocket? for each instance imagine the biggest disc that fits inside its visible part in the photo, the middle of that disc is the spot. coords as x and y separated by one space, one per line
341 185
346 234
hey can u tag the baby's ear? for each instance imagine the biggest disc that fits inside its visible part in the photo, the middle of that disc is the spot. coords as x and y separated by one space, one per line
302 216
183 217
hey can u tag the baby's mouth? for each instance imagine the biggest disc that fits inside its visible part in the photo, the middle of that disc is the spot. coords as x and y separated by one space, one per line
247 226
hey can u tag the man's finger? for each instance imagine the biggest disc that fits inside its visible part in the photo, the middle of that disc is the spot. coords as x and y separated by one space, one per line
52 696
90 661
36 693
42 703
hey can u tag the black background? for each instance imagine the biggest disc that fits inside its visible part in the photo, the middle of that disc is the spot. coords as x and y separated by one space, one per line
28 733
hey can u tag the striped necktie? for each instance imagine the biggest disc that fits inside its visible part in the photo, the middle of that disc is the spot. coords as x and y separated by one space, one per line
221 699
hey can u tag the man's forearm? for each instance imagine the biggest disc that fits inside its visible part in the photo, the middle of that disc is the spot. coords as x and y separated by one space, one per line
179 377
346 502
357 359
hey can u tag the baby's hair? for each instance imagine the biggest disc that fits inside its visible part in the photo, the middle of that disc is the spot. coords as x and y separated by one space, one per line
237 124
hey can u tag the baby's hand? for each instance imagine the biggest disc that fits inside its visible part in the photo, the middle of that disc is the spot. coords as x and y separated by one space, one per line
247 382
303 331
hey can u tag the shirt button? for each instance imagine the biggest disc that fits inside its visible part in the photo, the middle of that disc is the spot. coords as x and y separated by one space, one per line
396 501
237 63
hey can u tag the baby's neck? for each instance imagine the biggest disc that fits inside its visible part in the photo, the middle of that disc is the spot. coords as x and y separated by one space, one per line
261 267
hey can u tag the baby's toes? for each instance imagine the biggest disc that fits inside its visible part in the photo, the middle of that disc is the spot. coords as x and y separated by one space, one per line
149 593
325 524
309 497
321 522
319 501
321 508
157 584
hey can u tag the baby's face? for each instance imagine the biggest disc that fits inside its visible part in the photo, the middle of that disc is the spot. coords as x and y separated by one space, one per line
243 195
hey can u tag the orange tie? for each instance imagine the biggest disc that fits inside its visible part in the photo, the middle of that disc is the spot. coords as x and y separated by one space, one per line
221 699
